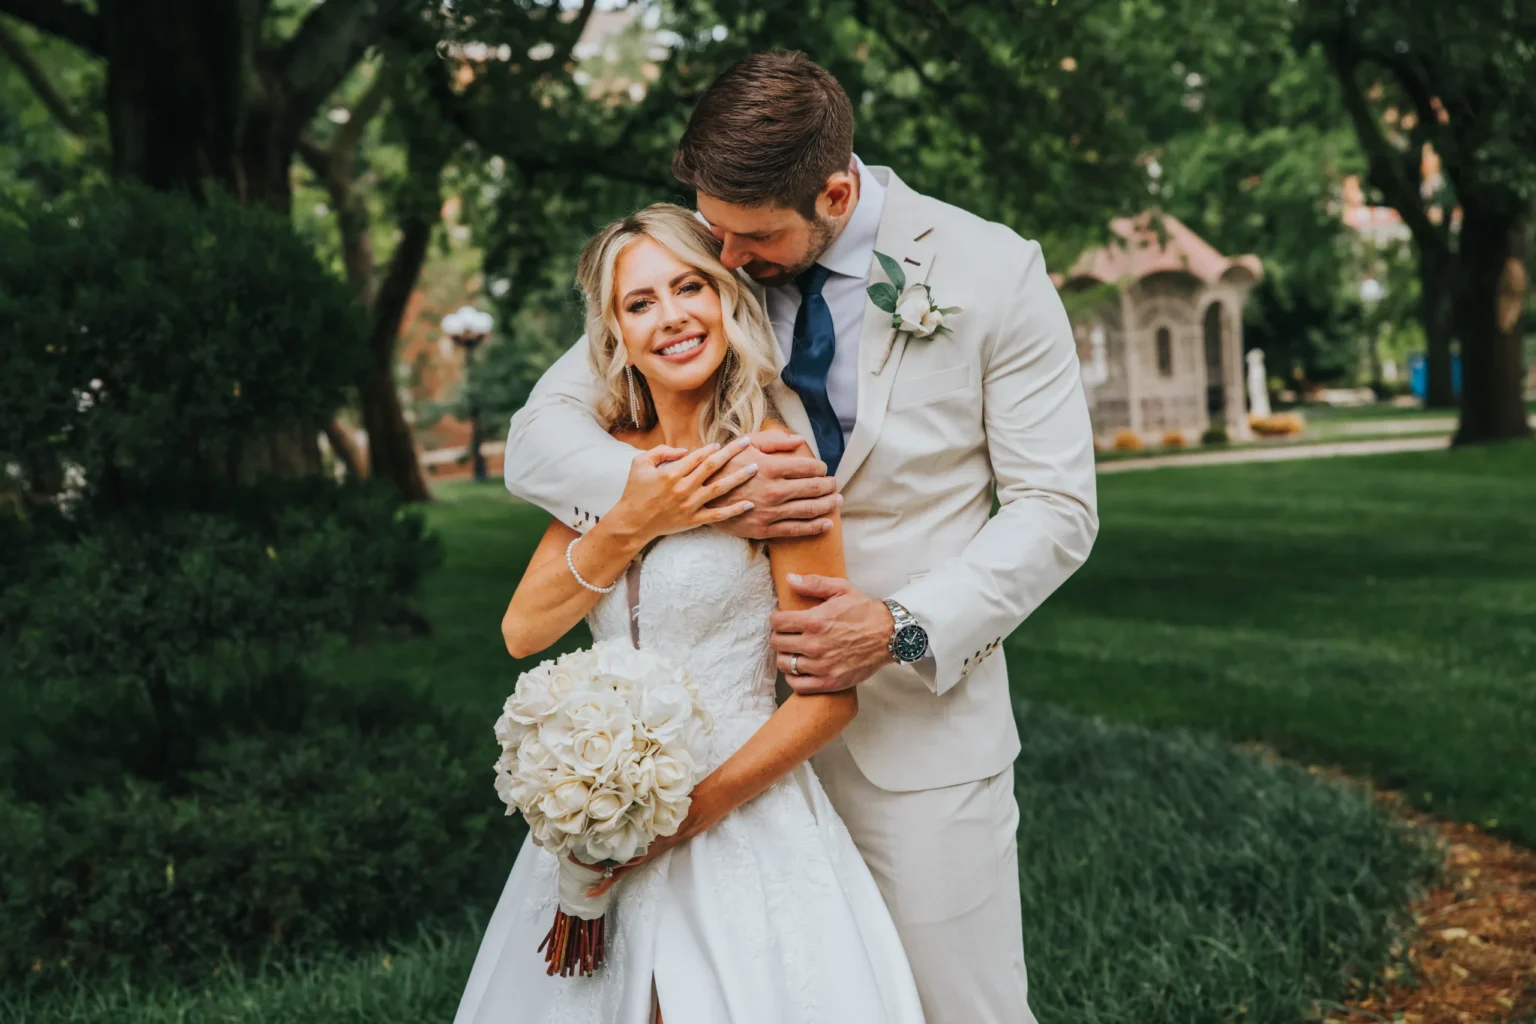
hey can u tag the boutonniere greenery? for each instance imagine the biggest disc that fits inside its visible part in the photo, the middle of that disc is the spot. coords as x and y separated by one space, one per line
912 308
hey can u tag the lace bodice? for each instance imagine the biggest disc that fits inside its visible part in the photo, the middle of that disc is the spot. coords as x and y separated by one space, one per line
704 602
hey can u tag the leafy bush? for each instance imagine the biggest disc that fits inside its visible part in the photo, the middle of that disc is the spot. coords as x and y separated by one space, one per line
131 644
362 823
166 351
1215 435
177 785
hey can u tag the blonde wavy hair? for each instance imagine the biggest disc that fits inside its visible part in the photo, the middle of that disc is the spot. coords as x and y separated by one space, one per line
741 403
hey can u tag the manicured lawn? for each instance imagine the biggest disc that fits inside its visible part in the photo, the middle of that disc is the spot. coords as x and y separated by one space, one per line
1376 613
1166 878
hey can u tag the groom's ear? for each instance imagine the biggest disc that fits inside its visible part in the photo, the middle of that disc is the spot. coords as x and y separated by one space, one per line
837 195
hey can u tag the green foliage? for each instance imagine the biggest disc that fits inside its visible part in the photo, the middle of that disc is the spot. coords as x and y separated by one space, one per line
198 625
1203 883
161 348
172 568
370 818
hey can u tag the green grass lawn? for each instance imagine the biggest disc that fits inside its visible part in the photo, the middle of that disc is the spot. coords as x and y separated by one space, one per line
1376 613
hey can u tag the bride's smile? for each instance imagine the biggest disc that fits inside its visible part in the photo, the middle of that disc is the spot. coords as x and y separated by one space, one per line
670 318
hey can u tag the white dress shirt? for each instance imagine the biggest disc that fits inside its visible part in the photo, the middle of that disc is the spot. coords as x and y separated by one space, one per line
849 259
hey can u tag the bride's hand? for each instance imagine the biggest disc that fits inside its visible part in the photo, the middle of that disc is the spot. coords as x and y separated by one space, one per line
659 846
669 489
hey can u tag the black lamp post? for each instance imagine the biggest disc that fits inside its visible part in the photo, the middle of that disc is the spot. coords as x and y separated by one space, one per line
468 327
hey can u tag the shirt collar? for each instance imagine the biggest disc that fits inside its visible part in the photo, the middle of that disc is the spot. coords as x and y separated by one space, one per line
854 250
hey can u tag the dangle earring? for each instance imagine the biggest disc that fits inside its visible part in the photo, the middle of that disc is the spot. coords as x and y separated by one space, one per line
634 406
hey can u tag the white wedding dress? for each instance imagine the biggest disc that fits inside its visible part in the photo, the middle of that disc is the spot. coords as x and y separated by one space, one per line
770 917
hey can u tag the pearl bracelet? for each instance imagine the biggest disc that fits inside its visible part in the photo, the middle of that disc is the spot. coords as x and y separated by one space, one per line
571 564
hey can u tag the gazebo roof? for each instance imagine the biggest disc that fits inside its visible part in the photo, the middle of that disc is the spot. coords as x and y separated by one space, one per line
1142 255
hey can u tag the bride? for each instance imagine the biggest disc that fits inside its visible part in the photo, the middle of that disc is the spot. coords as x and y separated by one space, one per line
759 910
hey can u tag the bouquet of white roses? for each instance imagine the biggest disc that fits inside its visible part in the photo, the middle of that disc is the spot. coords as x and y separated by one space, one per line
600 750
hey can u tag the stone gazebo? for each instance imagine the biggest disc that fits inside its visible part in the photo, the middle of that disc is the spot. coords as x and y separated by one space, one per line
1162 346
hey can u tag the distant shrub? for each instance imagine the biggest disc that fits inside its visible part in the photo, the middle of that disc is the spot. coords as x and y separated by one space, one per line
1126 441
1280 424
1215 435
1173 439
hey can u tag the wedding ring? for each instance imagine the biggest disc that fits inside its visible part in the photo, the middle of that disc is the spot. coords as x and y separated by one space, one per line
608 871
794 664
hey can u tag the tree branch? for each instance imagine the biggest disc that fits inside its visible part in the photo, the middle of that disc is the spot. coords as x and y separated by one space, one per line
577 26
315 156
1386 170
344 147
37 78
69 21
327 46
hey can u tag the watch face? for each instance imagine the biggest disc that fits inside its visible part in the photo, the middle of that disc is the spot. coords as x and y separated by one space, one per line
911 643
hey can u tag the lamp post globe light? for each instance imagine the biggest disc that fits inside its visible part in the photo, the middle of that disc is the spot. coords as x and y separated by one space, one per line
468 327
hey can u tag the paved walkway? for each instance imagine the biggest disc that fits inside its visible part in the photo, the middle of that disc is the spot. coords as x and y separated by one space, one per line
1283 453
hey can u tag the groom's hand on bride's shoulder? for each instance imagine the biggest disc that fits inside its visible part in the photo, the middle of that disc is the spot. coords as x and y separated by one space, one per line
835 645
791 493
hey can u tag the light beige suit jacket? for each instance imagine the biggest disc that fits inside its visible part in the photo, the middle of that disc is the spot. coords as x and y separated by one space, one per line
943 423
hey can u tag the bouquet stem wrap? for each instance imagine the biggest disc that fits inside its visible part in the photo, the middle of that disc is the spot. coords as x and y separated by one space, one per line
577 940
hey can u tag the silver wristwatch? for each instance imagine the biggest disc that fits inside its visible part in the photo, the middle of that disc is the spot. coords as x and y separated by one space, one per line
909 641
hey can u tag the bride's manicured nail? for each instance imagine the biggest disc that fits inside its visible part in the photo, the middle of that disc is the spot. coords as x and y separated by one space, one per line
747 506
751 469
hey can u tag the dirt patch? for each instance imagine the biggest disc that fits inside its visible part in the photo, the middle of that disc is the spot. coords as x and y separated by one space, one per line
1474 957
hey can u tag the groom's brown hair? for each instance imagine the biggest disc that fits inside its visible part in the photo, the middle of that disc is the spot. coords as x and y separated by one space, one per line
768 132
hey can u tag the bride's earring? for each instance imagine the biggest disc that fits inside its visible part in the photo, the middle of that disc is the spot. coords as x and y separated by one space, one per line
634 406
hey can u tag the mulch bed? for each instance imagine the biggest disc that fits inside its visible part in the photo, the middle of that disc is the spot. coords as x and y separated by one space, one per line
1474 956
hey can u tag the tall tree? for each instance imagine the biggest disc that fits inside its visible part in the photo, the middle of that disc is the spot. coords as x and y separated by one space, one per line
1469 73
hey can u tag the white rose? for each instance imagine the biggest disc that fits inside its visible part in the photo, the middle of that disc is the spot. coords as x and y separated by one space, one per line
534 757
639 774
532 701
595 752
664 711
564 680
510 732
605 810
913 305
932 321
565 805
666 816
624 842
674 776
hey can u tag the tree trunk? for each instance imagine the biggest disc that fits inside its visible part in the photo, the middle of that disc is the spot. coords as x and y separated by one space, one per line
1489 300
176 90
1435 288
391 448
346 449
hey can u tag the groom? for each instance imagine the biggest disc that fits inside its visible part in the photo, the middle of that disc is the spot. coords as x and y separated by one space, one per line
918 428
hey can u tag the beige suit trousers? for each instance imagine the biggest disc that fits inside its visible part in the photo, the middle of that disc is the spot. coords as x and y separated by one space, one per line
947 862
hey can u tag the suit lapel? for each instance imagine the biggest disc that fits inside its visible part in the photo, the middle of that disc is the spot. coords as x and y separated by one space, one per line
905 237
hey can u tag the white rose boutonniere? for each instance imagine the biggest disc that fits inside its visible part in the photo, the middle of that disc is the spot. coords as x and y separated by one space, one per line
912 307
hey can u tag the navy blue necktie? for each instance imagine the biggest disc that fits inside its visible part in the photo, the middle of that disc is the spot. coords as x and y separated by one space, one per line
809 361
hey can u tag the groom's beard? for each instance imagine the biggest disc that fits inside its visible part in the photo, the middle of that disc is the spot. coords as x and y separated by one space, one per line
776 275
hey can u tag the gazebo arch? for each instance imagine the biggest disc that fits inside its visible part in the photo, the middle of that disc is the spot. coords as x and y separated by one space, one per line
1172 331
